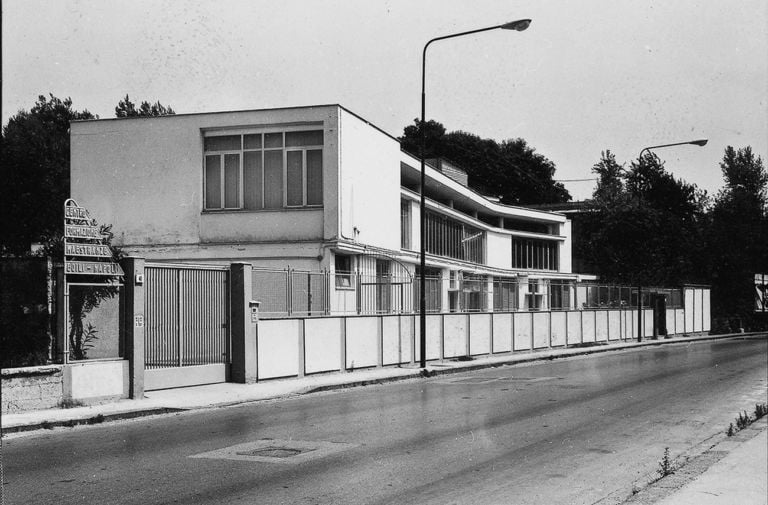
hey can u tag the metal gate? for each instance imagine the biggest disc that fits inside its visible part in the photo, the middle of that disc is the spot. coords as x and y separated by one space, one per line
186 334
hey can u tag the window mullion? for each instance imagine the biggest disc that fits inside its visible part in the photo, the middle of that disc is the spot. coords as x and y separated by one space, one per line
241 180
304 177
222 183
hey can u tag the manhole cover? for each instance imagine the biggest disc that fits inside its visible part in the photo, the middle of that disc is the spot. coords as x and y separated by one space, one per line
276 451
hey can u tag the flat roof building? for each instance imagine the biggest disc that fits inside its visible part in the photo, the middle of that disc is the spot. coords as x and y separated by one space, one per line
316 189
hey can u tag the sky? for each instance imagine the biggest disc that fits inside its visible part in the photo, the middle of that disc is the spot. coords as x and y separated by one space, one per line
587 76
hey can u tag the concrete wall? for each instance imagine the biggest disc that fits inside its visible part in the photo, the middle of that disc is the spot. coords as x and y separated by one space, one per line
44 387
32 388
145 177
369 176
295 347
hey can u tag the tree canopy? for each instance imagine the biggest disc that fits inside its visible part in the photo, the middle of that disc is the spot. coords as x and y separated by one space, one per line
511 170
35 173
126 108
35 169
646 226
737 246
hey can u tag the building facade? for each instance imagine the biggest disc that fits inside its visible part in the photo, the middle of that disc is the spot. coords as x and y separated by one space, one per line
318 189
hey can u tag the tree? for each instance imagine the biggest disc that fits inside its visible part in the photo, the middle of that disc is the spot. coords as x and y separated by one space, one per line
511 170
35 173
646 225
738 234
126 108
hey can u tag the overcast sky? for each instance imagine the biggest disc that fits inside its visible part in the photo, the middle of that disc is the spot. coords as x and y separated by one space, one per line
586 76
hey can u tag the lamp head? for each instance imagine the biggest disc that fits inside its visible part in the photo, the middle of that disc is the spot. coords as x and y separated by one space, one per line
519 25
701 142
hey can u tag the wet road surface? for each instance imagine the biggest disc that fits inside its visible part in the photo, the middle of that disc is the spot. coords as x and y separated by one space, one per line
579 430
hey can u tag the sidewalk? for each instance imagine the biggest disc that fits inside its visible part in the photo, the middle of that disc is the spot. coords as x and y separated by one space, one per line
220 395
740 477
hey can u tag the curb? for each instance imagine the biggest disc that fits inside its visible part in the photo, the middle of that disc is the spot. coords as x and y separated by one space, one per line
567 352
532 356
97 419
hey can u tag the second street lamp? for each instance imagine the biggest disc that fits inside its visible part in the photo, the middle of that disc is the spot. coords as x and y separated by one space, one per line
700 143
518 25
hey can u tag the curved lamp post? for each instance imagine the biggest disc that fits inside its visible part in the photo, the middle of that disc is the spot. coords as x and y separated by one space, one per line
700 143
518 25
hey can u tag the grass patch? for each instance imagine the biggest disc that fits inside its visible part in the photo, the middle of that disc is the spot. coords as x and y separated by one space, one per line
665 465
744 419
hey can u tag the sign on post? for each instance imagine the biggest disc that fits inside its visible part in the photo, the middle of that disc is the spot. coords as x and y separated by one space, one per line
85 248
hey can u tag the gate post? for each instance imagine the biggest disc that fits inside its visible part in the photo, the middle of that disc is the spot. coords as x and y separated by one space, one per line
133 324
243 332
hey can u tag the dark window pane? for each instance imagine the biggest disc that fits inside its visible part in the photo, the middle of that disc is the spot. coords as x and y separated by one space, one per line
273 179
294 174
231 181
315 177
212 182
223 143
307 138
252 141
273 140
252 174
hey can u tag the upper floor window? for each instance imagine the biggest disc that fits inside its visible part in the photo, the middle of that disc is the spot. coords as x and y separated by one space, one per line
454 239
255 171
534 254
405 224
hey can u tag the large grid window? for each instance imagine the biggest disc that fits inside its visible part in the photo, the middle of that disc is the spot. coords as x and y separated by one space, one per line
533 254
454 239
433 290
505 294
560 295
256 171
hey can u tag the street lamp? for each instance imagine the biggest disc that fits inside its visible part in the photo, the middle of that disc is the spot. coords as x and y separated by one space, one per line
518 25
700 143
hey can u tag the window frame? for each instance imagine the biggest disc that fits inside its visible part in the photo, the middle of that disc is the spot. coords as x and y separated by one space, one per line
262 149
341 275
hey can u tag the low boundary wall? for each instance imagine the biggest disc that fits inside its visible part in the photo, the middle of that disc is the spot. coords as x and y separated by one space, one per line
294 347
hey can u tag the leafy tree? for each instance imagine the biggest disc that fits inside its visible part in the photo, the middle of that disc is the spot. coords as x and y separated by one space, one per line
646 225
126 108
738 233
511 170
35 173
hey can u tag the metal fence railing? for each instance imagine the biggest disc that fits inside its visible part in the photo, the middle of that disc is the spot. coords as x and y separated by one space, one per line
297 293
291 292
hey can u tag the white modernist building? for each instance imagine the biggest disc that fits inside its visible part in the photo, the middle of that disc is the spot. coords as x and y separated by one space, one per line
317 189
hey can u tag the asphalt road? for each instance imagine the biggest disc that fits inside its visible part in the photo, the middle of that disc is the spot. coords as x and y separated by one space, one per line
580 430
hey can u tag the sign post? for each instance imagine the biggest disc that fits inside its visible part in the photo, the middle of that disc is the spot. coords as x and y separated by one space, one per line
88 259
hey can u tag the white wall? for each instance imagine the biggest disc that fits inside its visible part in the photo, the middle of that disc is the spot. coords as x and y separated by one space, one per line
499 250
369 172
145 177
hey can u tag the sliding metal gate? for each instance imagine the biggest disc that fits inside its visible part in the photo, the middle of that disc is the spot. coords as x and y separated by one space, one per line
186 334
